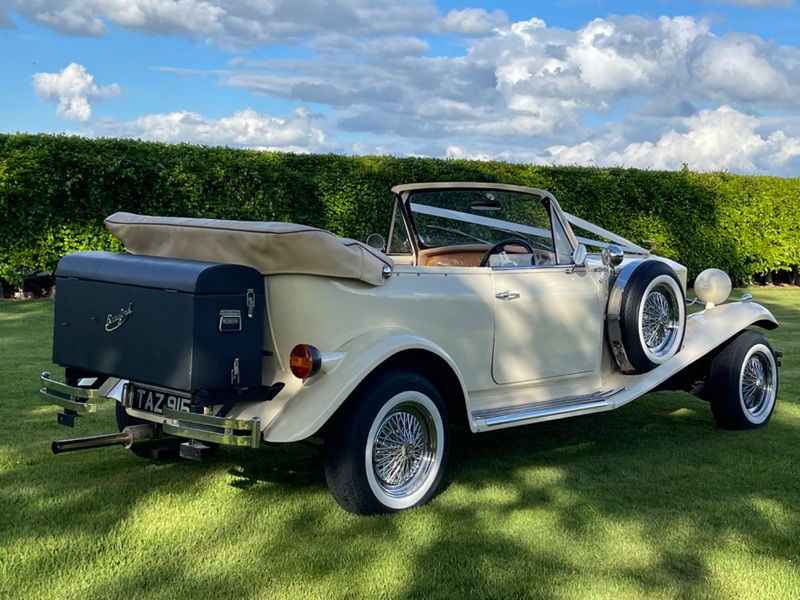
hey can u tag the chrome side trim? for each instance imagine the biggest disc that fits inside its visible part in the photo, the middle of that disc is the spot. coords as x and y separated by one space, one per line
546 410
208 428
532 267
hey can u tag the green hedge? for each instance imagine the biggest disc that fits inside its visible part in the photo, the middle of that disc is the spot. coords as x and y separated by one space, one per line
56 190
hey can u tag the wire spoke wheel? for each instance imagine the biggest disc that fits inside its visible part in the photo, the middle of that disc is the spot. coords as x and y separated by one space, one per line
403 450
743 382
646 316
756 384
387 448
660 320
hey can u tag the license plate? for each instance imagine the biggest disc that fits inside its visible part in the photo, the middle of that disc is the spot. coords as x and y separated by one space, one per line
155 401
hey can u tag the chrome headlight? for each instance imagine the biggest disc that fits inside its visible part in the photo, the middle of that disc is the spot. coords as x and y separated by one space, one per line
712 286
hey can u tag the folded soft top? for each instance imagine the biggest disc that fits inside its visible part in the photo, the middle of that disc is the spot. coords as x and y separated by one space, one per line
271 248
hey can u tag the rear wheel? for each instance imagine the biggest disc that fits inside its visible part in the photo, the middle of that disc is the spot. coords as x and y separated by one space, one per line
743 382
388 446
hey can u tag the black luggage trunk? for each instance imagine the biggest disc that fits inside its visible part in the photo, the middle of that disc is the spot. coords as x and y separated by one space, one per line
181 324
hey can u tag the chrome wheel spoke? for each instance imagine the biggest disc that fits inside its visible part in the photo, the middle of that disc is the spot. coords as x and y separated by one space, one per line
659 320
403 450
397 448
756 384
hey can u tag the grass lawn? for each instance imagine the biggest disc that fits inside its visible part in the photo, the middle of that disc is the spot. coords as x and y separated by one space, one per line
649 501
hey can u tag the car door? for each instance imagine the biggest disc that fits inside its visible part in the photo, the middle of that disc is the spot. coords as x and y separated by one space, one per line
548 323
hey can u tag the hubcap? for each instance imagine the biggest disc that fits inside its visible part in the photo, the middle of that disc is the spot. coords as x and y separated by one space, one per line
403 450
660 317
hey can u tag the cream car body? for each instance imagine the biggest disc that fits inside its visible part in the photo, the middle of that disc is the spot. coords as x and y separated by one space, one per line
502 344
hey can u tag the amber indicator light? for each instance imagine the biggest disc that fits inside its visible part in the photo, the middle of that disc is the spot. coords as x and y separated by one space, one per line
304 361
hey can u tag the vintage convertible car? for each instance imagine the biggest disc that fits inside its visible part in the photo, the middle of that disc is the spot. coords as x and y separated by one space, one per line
487 307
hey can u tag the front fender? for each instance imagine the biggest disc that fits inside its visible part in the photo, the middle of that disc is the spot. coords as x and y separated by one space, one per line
705 332
709 328
315 401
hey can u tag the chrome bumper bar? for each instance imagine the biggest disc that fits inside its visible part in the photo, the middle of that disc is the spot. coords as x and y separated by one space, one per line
208 428
76 399
226 431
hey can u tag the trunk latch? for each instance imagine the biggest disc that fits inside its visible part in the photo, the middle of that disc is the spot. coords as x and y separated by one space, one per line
235 375
251 303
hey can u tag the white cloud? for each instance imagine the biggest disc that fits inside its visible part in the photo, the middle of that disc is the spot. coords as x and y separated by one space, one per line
583 154
246 128
718 139
636 91
454 151
229 23
714 139
526 91
603 67
473 21
74 90
740 67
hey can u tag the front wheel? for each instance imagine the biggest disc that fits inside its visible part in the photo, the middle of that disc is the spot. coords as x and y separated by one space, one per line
743 382
388 446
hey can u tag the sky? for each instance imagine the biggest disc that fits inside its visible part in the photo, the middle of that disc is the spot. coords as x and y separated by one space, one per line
653 84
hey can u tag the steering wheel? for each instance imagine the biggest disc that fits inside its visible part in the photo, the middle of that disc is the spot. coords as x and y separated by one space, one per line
501 247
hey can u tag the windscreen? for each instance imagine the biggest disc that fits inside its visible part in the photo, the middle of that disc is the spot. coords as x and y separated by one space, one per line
460 217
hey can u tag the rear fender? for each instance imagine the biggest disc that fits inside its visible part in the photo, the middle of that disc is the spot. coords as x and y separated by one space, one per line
318 398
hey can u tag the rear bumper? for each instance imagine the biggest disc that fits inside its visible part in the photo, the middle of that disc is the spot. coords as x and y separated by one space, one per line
77 401
208 428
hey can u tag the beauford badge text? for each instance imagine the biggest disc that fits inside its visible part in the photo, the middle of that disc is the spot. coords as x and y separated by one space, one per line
115 321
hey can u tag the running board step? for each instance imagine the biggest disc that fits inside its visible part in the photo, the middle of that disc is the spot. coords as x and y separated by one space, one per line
546 410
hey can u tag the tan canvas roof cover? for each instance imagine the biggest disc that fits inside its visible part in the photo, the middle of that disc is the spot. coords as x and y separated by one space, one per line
271 248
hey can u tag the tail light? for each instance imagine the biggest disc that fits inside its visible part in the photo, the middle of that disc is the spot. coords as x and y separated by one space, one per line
305 361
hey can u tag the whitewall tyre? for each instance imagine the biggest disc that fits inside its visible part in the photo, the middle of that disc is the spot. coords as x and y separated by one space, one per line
652 316
387 448
743 382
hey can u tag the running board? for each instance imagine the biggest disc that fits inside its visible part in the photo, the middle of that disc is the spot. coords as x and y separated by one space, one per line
546 410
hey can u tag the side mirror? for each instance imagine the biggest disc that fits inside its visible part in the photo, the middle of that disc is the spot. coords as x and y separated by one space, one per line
377 241
579 256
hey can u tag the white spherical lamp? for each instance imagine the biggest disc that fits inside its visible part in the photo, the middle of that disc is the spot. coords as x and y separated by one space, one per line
712 286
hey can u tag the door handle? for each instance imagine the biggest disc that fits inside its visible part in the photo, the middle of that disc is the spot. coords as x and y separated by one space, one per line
507 295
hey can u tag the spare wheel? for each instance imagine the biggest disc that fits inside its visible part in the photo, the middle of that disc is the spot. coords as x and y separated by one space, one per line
646 316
